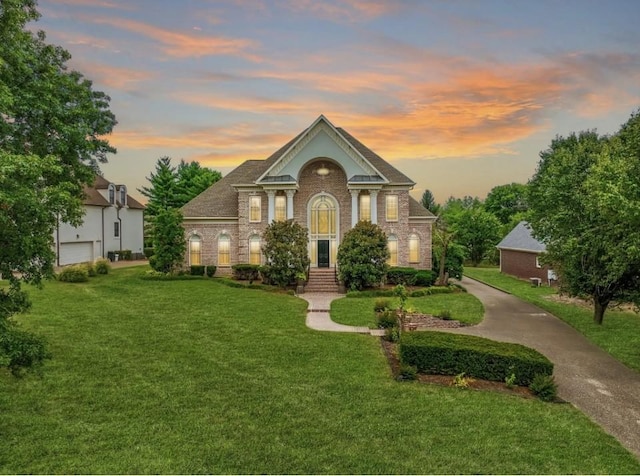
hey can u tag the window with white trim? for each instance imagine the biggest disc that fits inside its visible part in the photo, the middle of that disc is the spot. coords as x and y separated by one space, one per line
116 229
414 248
123 195
112 194
392 245
255 208
392 207
538 263
255 251
195 250
365 207
224 250
281 208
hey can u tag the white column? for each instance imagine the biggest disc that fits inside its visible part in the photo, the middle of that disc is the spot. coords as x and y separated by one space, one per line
290 194
354 207
374 206
271 210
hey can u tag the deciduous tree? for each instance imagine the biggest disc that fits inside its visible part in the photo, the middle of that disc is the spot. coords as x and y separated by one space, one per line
286 252
363 255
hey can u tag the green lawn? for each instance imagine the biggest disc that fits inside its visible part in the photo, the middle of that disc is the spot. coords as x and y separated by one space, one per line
618 335
197 377
359 311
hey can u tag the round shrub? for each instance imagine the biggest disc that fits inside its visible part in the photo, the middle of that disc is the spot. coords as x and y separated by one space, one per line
74 274
211 270
387 319
381 305
91 270
425 278
102 266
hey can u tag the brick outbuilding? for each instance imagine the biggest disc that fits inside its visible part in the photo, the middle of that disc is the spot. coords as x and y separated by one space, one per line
520 255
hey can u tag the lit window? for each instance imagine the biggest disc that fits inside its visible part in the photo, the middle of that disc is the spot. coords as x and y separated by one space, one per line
123 195
392 208
365 207
414 248
116 229
255 253
224 250
112 194
281 208
255 211
392 244
538 264
195 250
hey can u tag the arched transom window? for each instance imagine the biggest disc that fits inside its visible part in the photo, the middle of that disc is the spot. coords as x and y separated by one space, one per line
323 224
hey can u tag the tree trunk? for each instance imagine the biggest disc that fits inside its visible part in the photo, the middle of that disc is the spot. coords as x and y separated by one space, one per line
599 307
442 280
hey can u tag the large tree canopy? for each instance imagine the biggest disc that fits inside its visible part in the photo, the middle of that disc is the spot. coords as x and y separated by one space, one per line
508 203
52 127
585 205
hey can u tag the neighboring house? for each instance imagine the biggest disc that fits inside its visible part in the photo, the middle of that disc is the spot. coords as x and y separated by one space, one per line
520 254
113 221
324 179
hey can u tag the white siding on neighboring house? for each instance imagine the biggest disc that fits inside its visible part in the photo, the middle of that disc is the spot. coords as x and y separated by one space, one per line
71 253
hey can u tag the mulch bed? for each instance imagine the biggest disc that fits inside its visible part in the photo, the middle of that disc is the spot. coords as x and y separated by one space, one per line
391 352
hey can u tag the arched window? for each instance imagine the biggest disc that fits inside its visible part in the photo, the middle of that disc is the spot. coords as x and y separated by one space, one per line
255 253
112 194
414 248
224 250
195 250
123 195
323 226
392 244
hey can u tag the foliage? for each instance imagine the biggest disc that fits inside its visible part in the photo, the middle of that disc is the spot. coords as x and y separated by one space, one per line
75 273
392 334
381 305
544 386
197 270
285 249
245 272
168 242
102 266
508 203
148 252
387 318
211 270
448 256
192 179
510 380
460 381
362 256
450 354
585 206
20 350
425 278
407 372
91 269
399 275
445 315
428 201
478 231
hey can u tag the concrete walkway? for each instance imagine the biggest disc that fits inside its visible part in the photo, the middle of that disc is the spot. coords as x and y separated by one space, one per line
319 319
592 380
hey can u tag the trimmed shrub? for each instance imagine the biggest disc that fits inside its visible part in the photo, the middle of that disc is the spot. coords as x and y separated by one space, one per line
452 354
76 273
91 270
387 319
544 387
381 305
404 276
370 293
265 274
148 252
211 270
425 278
362 256
245 272
102 266
196 270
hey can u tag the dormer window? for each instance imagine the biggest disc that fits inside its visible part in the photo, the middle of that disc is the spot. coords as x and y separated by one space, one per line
112 194
123 195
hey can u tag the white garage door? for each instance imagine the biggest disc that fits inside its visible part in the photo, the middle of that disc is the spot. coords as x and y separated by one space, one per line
71 253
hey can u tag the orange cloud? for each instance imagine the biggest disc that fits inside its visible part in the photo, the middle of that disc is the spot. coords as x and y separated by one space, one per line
340 11
113 77
184 45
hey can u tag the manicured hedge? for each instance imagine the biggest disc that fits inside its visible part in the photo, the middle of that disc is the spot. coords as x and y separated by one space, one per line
425 278
245 271
452 354
398 275
197 270
211 270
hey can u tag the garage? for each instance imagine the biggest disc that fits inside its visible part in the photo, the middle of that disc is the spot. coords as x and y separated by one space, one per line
77 252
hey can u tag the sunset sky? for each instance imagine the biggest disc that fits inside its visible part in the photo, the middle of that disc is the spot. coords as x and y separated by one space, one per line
459 95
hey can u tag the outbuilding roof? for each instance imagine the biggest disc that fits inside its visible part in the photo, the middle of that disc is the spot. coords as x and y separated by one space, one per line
521 239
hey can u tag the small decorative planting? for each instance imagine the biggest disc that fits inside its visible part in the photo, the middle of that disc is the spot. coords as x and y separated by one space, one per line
76 273
544 387
102 266
451 354
246 272
211 270
197 270
404 276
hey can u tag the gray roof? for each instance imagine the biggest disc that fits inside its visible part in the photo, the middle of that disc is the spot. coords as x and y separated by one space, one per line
221 199
417 210
521 239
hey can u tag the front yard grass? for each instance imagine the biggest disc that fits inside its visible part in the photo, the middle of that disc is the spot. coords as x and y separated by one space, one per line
359 311
619 334
196 377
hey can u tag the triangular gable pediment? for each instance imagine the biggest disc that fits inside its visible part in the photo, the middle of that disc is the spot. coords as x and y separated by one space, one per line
321 140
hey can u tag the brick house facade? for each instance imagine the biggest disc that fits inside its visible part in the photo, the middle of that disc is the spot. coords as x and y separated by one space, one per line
520 254
324 179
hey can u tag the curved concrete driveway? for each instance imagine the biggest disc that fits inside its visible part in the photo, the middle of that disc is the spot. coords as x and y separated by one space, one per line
588 377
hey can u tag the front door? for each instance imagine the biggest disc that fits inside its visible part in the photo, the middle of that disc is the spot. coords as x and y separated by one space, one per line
323 253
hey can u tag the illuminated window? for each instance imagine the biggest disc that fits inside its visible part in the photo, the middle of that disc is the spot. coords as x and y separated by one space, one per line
281 208
255 253
392 207
255 210
365 207
414 248
224 250
195 250
392 244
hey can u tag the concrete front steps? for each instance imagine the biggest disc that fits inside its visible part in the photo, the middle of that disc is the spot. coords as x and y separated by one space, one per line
322 280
